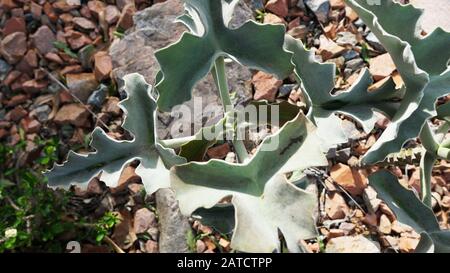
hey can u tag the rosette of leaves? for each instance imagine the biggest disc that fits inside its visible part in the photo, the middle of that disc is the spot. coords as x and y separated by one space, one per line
411 211
264 201
358 102
111 156
210 39
422 62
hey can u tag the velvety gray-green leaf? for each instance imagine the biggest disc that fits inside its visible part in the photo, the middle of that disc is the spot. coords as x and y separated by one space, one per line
190 59
111 156
357 102
426 78
259 190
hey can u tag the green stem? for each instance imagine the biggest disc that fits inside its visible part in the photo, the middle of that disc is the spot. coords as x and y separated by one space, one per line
222 85
426 162
175 142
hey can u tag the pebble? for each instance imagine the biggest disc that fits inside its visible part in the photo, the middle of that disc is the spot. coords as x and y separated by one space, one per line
98 96
321 8
346 38
354 64
374 42
43 39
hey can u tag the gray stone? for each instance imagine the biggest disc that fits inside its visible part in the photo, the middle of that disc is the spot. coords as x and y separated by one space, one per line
354 64
351 54
173 225
321 8
285 90
346 38
301 4
42 112
352 244
255 4
98 96
4 69
359 23
371 200
374 42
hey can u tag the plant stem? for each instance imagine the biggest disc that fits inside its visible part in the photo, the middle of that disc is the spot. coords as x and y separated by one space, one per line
175 142
222 85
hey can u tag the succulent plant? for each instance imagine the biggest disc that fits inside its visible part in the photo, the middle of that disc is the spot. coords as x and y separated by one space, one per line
253 198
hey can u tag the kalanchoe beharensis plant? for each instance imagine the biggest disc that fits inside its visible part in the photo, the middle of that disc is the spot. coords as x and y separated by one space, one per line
253 197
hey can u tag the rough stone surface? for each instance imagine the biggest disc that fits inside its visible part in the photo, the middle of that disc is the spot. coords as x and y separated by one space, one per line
173 225
381 66
74 114
352 244
82 85
43 39
13 47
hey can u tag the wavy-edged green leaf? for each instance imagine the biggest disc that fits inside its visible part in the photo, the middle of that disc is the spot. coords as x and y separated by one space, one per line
220 217
192 57
263 199
111 156
357 102
409 209
424 72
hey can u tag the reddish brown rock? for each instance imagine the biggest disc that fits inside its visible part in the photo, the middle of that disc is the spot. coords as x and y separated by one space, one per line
66 5
270 18
50 12
329 49
83 23
8 4
112 14
126 18
30 125
14 24
143 220
13 47
74 114
335 206
128 176
71 69
16 100
350 179
34 86
81 85
28 62
103 65
94 187
266 86
11 77
278 7
381 66
151 246
54 57
219 152
16 114
36 10
17 84
66 18
77 40
3 133
43 39
96 7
